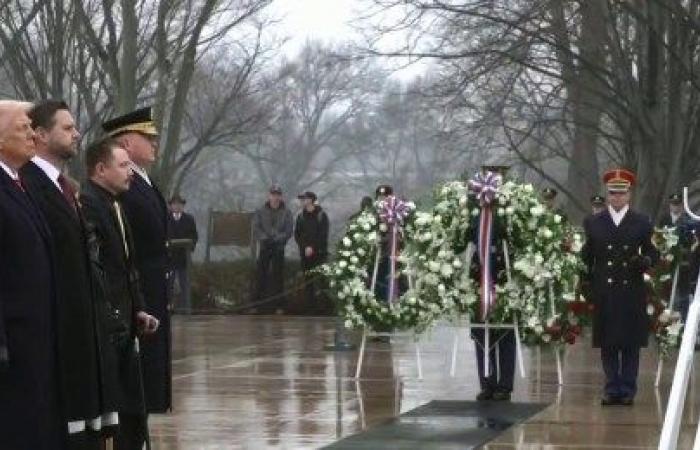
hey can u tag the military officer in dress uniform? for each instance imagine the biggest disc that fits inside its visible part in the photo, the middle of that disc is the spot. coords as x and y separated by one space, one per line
684 229
147 214
498 385
617 252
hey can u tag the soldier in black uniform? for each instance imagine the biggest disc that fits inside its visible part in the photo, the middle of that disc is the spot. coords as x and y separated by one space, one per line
684 229
549 195
617 252
597 204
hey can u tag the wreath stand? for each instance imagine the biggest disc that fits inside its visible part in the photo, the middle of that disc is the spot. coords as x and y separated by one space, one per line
367 332
660 364
514 326
370 333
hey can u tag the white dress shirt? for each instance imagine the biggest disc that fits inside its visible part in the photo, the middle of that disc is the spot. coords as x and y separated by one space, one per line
142 173
617 216
49 169
10 171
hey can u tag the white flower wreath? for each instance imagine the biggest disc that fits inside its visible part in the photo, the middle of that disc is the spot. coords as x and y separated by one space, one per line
350 278
541 291
666 324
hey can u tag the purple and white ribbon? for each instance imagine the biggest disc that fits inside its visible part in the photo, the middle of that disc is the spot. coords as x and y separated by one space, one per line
485 186
393 212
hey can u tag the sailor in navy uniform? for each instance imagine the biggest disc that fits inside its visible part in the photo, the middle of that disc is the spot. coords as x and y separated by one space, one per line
617 252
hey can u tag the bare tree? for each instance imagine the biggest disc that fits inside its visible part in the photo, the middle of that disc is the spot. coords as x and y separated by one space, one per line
599 82
107 57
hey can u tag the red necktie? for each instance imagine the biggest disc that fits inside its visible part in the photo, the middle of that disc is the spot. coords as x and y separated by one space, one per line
19 184
67 191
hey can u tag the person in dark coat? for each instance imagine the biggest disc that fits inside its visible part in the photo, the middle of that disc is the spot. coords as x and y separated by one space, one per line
272 228
147 213
311 235
617 252
56 139
684 228
549 195
498 385
181 226
29 400
122 309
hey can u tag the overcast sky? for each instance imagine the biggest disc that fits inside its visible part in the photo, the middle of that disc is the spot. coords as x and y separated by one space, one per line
325 20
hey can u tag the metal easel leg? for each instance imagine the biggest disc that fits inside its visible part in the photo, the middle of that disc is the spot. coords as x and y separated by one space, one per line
455 346
418 360
361 354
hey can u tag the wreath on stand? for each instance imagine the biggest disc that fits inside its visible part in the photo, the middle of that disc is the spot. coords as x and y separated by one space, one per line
666 324
353 275
539 294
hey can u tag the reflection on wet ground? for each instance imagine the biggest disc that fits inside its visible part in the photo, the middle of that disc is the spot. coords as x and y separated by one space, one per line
252 382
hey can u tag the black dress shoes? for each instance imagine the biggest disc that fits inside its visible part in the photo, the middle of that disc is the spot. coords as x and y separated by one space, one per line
501 396
484 395
609 400
626 401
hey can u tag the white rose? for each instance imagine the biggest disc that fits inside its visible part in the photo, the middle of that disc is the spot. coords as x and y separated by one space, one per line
537 211
475 212
342 264
463 201
347 242
434 266
446 270
457 263
361 252
366 226
383 228
354 260
427 236
547 233
437 219
557 218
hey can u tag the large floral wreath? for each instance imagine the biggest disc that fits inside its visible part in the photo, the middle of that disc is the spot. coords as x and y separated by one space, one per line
540 293
666 323
353 273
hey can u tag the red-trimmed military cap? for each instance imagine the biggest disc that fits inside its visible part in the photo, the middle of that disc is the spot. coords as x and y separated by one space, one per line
619 180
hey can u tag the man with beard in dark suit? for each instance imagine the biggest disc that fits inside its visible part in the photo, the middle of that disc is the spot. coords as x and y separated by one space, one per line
29 401
617 252
109 170
56 139
147 213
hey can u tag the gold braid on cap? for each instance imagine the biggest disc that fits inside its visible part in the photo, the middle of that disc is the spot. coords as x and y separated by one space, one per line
142 127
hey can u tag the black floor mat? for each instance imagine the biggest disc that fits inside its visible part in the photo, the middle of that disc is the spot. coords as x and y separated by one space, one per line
442 425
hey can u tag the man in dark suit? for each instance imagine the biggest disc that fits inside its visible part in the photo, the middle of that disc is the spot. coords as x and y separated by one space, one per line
29 402
147 214
182 228
109 169
617 252
56 139
311 236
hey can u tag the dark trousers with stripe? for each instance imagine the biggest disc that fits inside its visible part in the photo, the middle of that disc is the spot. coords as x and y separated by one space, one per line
500 380
621 366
